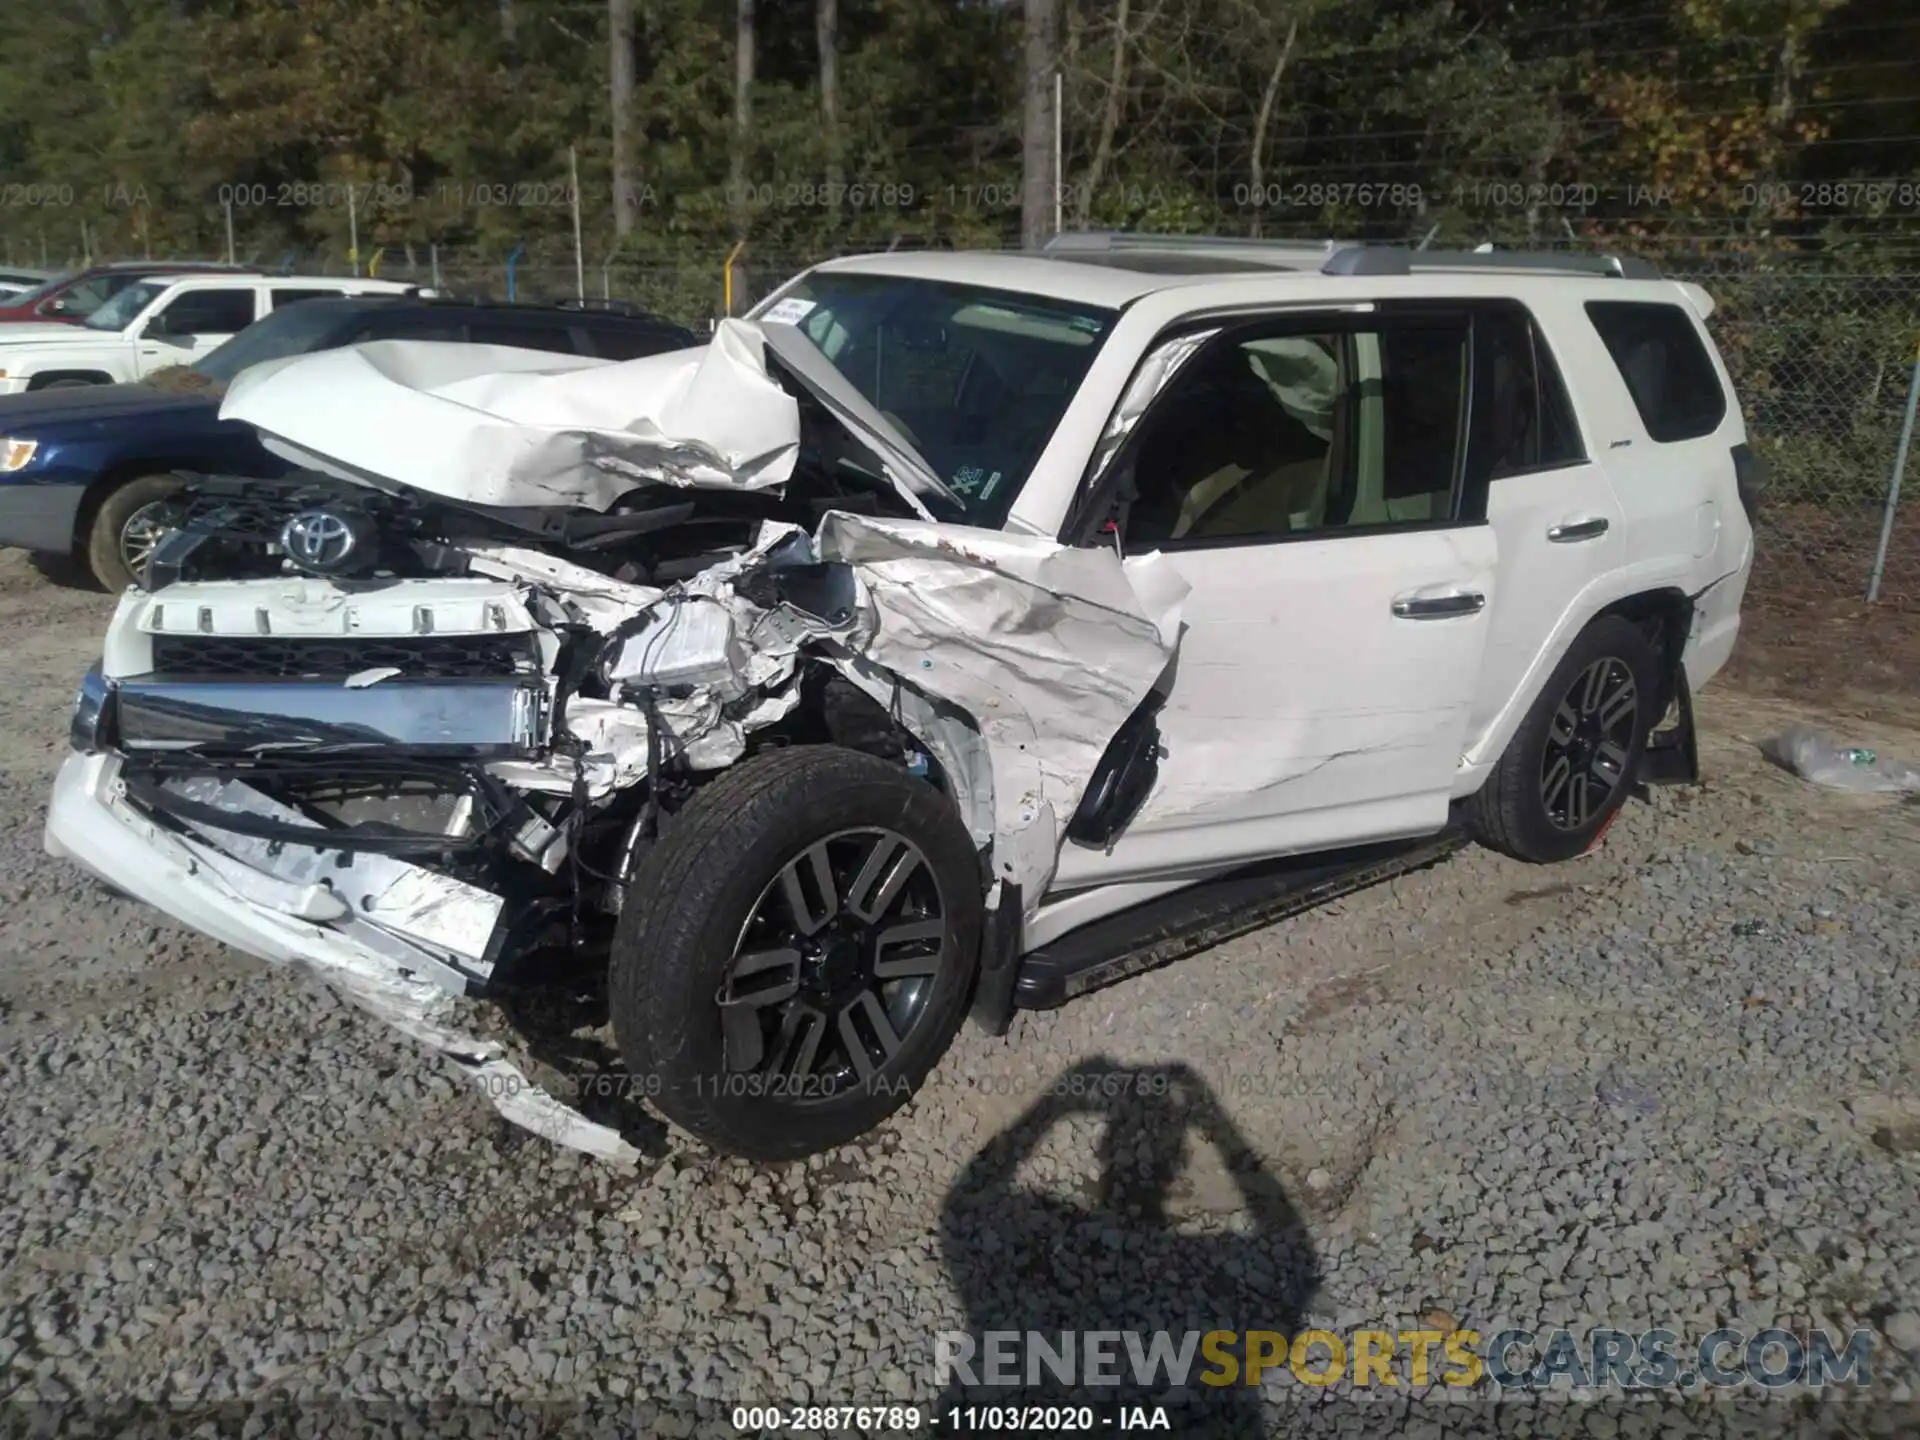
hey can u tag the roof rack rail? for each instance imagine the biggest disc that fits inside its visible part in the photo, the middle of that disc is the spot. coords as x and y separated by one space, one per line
1350 257
1069 243
1401 260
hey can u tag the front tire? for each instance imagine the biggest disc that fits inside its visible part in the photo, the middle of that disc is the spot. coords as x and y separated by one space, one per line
797 952
1572 762
129 524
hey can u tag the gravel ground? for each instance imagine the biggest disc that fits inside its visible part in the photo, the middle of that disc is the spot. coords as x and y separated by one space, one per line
1675 1083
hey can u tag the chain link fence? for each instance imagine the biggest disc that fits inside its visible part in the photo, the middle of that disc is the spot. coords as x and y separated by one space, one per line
1823 356
1825 366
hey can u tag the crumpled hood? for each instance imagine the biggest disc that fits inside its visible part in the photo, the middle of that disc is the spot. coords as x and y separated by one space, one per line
493 425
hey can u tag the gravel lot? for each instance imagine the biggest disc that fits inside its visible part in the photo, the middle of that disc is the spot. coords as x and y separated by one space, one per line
1676 1083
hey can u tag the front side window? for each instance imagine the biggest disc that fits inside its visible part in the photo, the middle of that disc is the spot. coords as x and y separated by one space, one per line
975 379
208 312
1658 351
629 342
1303 432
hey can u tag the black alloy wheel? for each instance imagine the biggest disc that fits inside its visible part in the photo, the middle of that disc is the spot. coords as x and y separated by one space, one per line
797 950
1589 744
1576 755
835 964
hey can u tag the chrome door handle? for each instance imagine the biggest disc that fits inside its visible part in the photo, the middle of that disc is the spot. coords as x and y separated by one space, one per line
1577 530
1440 607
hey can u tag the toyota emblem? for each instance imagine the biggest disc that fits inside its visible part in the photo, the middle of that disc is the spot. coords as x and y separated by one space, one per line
320 540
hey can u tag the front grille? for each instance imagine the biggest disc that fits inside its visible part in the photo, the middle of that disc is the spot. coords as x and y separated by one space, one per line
463 657
256 518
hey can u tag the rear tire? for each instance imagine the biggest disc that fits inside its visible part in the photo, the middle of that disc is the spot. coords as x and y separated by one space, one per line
126 527
1572 762
876 952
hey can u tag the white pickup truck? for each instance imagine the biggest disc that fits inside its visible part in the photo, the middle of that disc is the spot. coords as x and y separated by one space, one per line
156 323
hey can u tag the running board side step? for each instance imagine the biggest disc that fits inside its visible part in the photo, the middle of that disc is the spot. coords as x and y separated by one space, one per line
1171 927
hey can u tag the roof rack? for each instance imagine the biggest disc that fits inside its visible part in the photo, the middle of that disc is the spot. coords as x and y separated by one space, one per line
1284 254
1346 257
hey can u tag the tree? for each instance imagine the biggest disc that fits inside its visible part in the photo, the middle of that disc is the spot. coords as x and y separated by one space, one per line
1039 184
742 114
826 29
620 103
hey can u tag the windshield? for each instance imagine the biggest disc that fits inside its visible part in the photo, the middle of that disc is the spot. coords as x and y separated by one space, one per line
39 292
291 330
975 379
118 312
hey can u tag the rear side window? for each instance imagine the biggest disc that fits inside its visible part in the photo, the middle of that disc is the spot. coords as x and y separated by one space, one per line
1525 421
629 342
283 297
411 327
1666 368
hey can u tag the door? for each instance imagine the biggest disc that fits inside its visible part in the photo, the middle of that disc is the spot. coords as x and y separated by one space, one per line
194 323
1306 477
1555 517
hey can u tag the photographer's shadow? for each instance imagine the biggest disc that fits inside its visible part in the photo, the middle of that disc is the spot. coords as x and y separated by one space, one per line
1024 1262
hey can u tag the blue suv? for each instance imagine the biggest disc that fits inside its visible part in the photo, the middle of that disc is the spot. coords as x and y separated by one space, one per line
91 472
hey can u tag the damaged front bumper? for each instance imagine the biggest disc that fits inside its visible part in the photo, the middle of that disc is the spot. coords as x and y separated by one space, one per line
373 916
389 959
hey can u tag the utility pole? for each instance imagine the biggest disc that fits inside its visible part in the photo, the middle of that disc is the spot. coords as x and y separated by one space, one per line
579 253
1059 94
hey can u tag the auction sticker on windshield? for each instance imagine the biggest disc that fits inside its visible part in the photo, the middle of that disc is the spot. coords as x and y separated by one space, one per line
790 311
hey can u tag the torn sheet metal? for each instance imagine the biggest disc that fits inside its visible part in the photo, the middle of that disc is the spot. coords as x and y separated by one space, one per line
422 1013
1049 648
491 425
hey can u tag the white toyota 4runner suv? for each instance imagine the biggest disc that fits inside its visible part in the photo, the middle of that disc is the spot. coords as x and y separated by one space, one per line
158 322
956 633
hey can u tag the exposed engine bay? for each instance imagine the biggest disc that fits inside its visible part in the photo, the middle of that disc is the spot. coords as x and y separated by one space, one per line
422 742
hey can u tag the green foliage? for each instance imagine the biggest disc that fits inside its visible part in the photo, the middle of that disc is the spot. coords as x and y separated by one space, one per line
126 126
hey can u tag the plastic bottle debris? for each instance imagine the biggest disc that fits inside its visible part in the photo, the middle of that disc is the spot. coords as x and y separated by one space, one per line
1817 760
